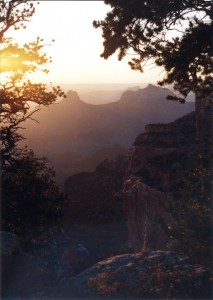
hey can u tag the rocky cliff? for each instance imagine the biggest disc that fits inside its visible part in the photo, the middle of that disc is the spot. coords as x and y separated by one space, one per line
96 196
157 161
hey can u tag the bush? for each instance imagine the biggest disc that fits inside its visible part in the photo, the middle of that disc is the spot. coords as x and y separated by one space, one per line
30 196
191 210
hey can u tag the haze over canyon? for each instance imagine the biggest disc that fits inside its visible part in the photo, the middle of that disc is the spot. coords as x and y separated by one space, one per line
75 136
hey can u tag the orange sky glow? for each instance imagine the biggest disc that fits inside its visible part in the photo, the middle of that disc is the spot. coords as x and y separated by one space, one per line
77 47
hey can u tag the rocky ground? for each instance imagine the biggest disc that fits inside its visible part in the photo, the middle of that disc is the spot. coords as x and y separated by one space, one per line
92 262
37 270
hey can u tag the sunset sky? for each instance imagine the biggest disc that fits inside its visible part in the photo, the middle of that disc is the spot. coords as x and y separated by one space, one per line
77 47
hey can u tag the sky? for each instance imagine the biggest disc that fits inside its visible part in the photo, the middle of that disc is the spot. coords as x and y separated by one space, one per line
78 45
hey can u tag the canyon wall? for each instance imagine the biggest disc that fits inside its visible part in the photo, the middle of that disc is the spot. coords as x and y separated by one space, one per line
157 161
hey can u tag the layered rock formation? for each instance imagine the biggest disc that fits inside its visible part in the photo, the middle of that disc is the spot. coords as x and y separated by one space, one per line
157 161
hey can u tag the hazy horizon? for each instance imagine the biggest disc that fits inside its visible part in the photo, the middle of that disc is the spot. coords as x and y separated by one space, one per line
83 90
108 86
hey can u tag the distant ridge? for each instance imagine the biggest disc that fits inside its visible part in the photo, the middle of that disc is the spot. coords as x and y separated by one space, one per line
145 93
73 126
72 96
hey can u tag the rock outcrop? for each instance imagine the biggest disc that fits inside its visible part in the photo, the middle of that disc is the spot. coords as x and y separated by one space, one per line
20 275
156 274
157 161
31 272
9 243
143 204
59 256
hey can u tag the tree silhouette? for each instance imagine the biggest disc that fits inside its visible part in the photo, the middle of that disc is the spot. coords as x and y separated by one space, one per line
191 210
176 35
30 196
16 89
31 200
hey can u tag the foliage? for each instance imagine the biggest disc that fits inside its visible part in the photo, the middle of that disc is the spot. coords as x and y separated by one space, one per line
191 210
14 14
176 35
30 196
16 89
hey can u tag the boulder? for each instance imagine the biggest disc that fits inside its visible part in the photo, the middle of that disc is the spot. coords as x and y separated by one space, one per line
22 278
74 260
156 274
59 256
9 243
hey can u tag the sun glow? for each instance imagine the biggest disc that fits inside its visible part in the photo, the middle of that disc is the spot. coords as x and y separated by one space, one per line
6 65
77 47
